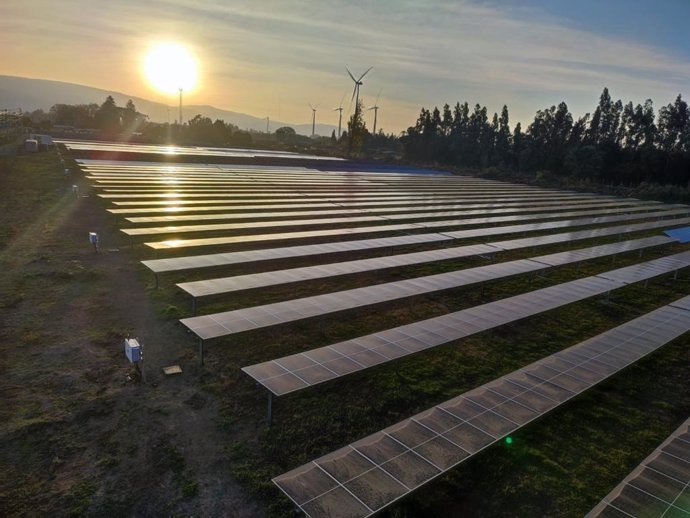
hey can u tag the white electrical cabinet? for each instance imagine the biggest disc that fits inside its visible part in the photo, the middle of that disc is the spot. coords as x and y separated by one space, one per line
132 350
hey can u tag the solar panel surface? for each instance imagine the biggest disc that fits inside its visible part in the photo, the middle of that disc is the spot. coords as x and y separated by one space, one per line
301 370
659 486
370 474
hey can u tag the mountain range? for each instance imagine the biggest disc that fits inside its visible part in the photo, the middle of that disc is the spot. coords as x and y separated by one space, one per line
31 94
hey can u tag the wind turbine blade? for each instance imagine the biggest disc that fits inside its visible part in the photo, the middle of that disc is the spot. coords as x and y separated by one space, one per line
341 101
365 73
377 97
354 91
350 74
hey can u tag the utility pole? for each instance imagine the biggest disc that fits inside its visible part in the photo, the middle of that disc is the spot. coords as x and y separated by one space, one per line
180 106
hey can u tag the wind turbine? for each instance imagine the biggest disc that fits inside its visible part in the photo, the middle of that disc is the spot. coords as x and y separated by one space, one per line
340 115
358 83
376 111
313 119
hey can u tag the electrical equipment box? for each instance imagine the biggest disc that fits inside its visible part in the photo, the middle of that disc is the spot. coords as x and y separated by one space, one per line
132 350
93 238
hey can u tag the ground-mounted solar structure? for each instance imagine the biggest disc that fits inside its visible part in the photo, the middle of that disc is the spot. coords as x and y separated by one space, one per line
368 475
277 250
660 485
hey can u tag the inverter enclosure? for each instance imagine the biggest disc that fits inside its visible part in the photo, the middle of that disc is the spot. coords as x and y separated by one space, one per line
132 350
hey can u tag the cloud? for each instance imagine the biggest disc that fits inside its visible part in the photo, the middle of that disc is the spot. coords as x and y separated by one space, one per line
258 54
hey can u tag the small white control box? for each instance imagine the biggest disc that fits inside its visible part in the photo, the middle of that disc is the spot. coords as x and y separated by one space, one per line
132 350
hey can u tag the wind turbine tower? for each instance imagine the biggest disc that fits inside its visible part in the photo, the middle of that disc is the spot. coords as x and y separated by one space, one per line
376 111
340 116
313 119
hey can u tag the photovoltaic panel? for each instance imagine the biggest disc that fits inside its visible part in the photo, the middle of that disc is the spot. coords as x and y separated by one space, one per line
176 229
262 193
658 487
236 321
574 256
384 206
343 358
272 278
229 258
390 226
182 150
348 200
370 474
391 213
459 234
642 271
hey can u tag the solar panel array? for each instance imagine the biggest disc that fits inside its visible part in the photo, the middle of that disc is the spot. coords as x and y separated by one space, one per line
236 321
401 219
273 278
309 368
226 259
659 486
384 219
458 234
367 475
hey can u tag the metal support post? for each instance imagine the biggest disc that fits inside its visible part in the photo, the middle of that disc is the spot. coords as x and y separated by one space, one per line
156 276
269 415
194 306
143 369
201 351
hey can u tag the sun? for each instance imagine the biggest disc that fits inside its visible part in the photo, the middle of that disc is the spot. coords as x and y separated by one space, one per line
170 67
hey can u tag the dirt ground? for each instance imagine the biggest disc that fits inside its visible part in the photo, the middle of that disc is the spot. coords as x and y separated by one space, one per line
78 435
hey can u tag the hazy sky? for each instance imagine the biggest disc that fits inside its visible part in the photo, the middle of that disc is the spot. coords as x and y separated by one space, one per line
273 57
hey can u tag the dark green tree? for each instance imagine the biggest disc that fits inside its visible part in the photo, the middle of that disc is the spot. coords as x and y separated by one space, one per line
502 147
674 126
130 116
286 134
356 130
107 117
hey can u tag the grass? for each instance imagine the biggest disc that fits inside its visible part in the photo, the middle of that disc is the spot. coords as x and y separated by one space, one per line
74 434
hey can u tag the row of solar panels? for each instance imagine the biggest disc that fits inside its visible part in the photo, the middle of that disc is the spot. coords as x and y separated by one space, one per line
253 256
392 212
375 489
659 486
239 320
375 471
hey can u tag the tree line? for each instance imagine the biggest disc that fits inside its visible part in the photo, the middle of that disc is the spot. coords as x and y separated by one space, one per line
617 143
113 121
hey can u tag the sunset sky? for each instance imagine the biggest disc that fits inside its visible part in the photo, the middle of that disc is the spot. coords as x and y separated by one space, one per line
273 57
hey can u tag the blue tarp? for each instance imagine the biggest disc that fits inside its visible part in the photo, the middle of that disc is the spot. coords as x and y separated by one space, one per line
681 234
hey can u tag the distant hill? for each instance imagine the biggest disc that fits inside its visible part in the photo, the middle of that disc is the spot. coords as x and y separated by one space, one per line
31 94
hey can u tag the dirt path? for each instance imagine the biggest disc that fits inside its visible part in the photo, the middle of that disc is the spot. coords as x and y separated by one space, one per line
77 436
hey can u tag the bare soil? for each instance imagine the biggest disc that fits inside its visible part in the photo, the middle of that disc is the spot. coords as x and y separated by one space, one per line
79 433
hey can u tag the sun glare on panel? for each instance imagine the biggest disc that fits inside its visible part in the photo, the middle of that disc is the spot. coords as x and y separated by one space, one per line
170 67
